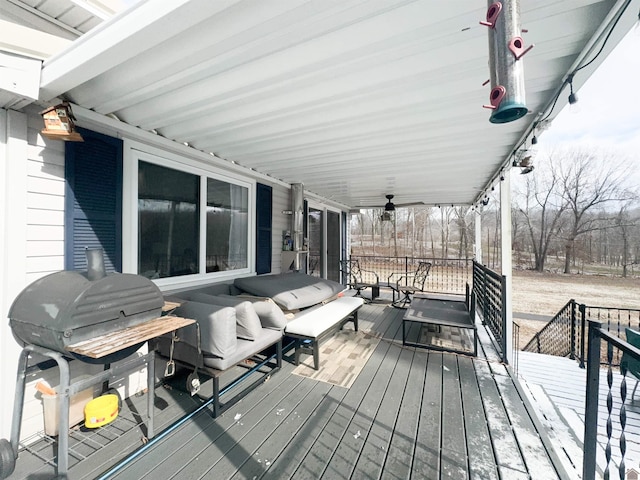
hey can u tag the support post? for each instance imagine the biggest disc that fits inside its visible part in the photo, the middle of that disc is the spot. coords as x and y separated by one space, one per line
507 269
478 235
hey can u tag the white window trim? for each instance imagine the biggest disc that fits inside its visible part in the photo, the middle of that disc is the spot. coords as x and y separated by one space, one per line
133 152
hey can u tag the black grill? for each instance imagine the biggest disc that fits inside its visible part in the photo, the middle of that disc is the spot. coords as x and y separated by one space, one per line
69 307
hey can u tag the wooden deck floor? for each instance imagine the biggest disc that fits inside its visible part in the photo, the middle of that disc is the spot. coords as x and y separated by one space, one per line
411 413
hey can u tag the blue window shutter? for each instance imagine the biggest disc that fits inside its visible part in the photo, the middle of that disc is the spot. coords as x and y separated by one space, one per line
93 200
343 246
264 210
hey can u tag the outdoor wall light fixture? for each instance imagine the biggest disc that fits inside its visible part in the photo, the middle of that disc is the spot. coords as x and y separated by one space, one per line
58 123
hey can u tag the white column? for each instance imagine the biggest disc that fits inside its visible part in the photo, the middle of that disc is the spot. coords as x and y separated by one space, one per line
478 234
13 210
505 229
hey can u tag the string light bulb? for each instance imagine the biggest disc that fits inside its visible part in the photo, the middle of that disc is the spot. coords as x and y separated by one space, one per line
573 98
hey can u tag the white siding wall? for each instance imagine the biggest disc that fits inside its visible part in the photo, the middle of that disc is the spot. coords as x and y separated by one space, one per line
45 202
13 154
33 246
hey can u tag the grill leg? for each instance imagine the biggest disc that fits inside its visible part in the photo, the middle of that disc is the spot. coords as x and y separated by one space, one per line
19 400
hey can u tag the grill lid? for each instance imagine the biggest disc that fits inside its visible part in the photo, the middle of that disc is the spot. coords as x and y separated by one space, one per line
68 307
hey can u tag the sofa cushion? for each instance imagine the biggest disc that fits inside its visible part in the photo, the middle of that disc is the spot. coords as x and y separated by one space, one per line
245 349
271 315
290 291
217 327
247 320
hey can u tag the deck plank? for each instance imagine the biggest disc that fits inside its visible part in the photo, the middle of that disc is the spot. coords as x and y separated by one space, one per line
400 454
194 436
241 449
533 451
426 461
353 433
270 446
296 450
482 463
502 437
454 448
215 444
376 447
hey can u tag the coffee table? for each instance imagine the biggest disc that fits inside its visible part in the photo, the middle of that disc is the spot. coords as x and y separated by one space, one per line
441 312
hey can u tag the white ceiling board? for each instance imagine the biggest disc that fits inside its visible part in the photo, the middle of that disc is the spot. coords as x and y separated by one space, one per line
355 99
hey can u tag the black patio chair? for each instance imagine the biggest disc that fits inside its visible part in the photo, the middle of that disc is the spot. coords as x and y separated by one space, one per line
413 283
632 364
356 281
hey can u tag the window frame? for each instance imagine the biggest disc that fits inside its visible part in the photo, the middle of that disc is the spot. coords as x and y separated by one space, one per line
135 152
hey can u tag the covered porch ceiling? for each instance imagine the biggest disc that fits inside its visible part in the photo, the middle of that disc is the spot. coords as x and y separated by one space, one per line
356 99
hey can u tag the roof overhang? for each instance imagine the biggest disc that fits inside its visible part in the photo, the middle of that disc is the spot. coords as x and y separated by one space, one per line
354 99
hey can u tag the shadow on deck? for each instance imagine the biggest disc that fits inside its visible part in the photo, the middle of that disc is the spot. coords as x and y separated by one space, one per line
410 413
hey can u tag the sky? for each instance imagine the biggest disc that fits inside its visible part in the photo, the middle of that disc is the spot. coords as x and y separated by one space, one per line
608 113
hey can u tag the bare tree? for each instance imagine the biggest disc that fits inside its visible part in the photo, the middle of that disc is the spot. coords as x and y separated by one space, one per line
541 204
464 228
590 180
626 225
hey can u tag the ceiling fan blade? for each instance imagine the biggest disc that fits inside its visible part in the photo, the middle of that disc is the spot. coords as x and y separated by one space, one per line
397 205
411 204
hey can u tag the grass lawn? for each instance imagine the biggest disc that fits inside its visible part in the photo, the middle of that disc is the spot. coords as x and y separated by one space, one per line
546 293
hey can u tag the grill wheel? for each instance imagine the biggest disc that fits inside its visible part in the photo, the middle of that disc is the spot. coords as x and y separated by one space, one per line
7 460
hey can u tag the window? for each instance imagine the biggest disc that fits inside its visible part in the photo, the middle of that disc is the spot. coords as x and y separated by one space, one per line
227 226
175 238
168 218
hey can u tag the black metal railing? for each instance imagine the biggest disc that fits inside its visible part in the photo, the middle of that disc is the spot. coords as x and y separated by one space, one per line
614 321
616 417
565 334
490 290
559 336
447 275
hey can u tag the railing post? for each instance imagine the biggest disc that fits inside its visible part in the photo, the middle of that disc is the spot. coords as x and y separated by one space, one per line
485 313
572 355
583 325
406 270
591 409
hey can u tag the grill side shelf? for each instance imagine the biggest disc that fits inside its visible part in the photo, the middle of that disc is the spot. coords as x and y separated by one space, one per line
117 340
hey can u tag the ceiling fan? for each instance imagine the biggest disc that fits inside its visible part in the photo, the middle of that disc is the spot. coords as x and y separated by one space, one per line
390 206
